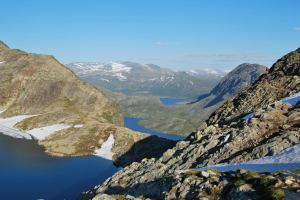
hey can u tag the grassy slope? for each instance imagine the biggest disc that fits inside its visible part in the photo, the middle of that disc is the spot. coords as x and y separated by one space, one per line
179 119
39 85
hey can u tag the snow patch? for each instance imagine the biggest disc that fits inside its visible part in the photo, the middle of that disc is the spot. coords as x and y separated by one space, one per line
287 159
206 71
227 138
103 79
10 122
120 76
289 155
3 110
15 133
119 67
293 99
7 126
248 117
2 62
106 147
86 68
78 126
43 132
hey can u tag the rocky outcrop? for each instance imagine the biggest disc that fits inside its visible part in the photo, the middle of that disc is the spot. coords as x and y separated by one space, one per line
282 80
38 85
252 125
211 184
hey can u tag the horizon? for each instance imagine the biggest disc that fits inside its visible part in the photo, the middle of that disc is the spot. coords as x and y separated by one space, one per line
180 35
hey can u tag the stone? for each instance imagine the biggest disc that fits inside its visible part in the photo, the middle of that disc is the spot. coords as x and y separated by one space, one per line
205 174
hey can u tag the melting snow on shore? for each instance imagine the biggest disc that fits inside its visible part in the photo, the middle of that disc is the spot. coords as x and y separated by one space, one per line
10 122
7 128
42 133
288 159
105 150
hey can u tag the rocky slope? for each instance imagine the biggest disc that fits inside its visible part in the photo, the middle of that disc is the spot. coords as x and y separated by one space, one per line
146 79
50 94
211 184
229 135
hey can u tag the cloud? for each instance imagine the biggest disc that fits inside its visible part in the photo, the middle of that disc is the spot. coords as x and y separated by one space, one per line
161 44
297 29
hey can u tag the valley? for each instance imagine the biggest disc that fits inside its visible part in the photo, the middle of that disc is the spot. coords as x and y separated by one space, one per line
110 134
150 100
183 115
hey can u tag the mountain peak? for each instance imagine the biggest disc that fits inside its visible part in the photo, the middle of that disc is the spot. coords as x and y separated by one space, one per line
3 46
239 78
288 64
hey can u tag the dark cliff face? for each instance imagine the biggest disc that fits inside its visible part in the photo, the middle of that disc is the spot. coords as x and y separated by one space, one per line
225 137
236 80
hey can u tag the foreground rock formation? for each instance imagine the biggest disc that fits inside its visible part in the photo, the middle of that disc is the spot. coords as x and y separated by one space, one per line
211 184
41 87
252 125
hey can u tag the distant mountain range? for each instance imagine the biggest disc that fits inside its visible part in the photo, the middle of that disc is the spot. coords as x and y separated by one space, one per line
132 78
184 119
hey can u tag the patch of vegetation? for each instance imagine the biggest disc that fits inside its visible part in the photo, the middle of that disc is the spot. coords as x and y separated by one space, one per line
239 182
213 171
119 197
250 175
192 173
107 116
267 181
297 171
277 194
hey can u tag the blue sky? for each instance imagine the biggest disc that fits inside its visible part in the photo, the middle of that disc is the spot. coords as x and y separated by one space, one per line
179 34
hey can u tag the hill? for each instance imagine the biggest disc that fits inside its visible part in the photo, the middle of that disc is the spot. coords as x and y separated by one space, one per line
68 116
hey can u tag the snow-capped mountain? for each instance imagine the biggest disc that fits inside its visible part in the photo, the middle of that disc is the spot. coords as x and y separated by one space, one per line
206 72
146 79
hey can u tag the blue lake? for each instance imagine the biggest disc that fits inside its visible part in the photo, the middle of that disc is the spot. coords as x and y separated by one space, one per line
133 123
171 101
26 172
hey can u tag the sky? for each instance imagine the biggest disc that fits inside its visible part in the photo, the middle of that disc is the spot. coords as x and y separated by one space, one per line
178 34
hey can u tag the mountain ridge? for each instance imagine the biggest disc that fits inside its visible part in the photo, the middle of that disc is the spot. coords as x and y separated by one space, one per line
236 80
144 79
